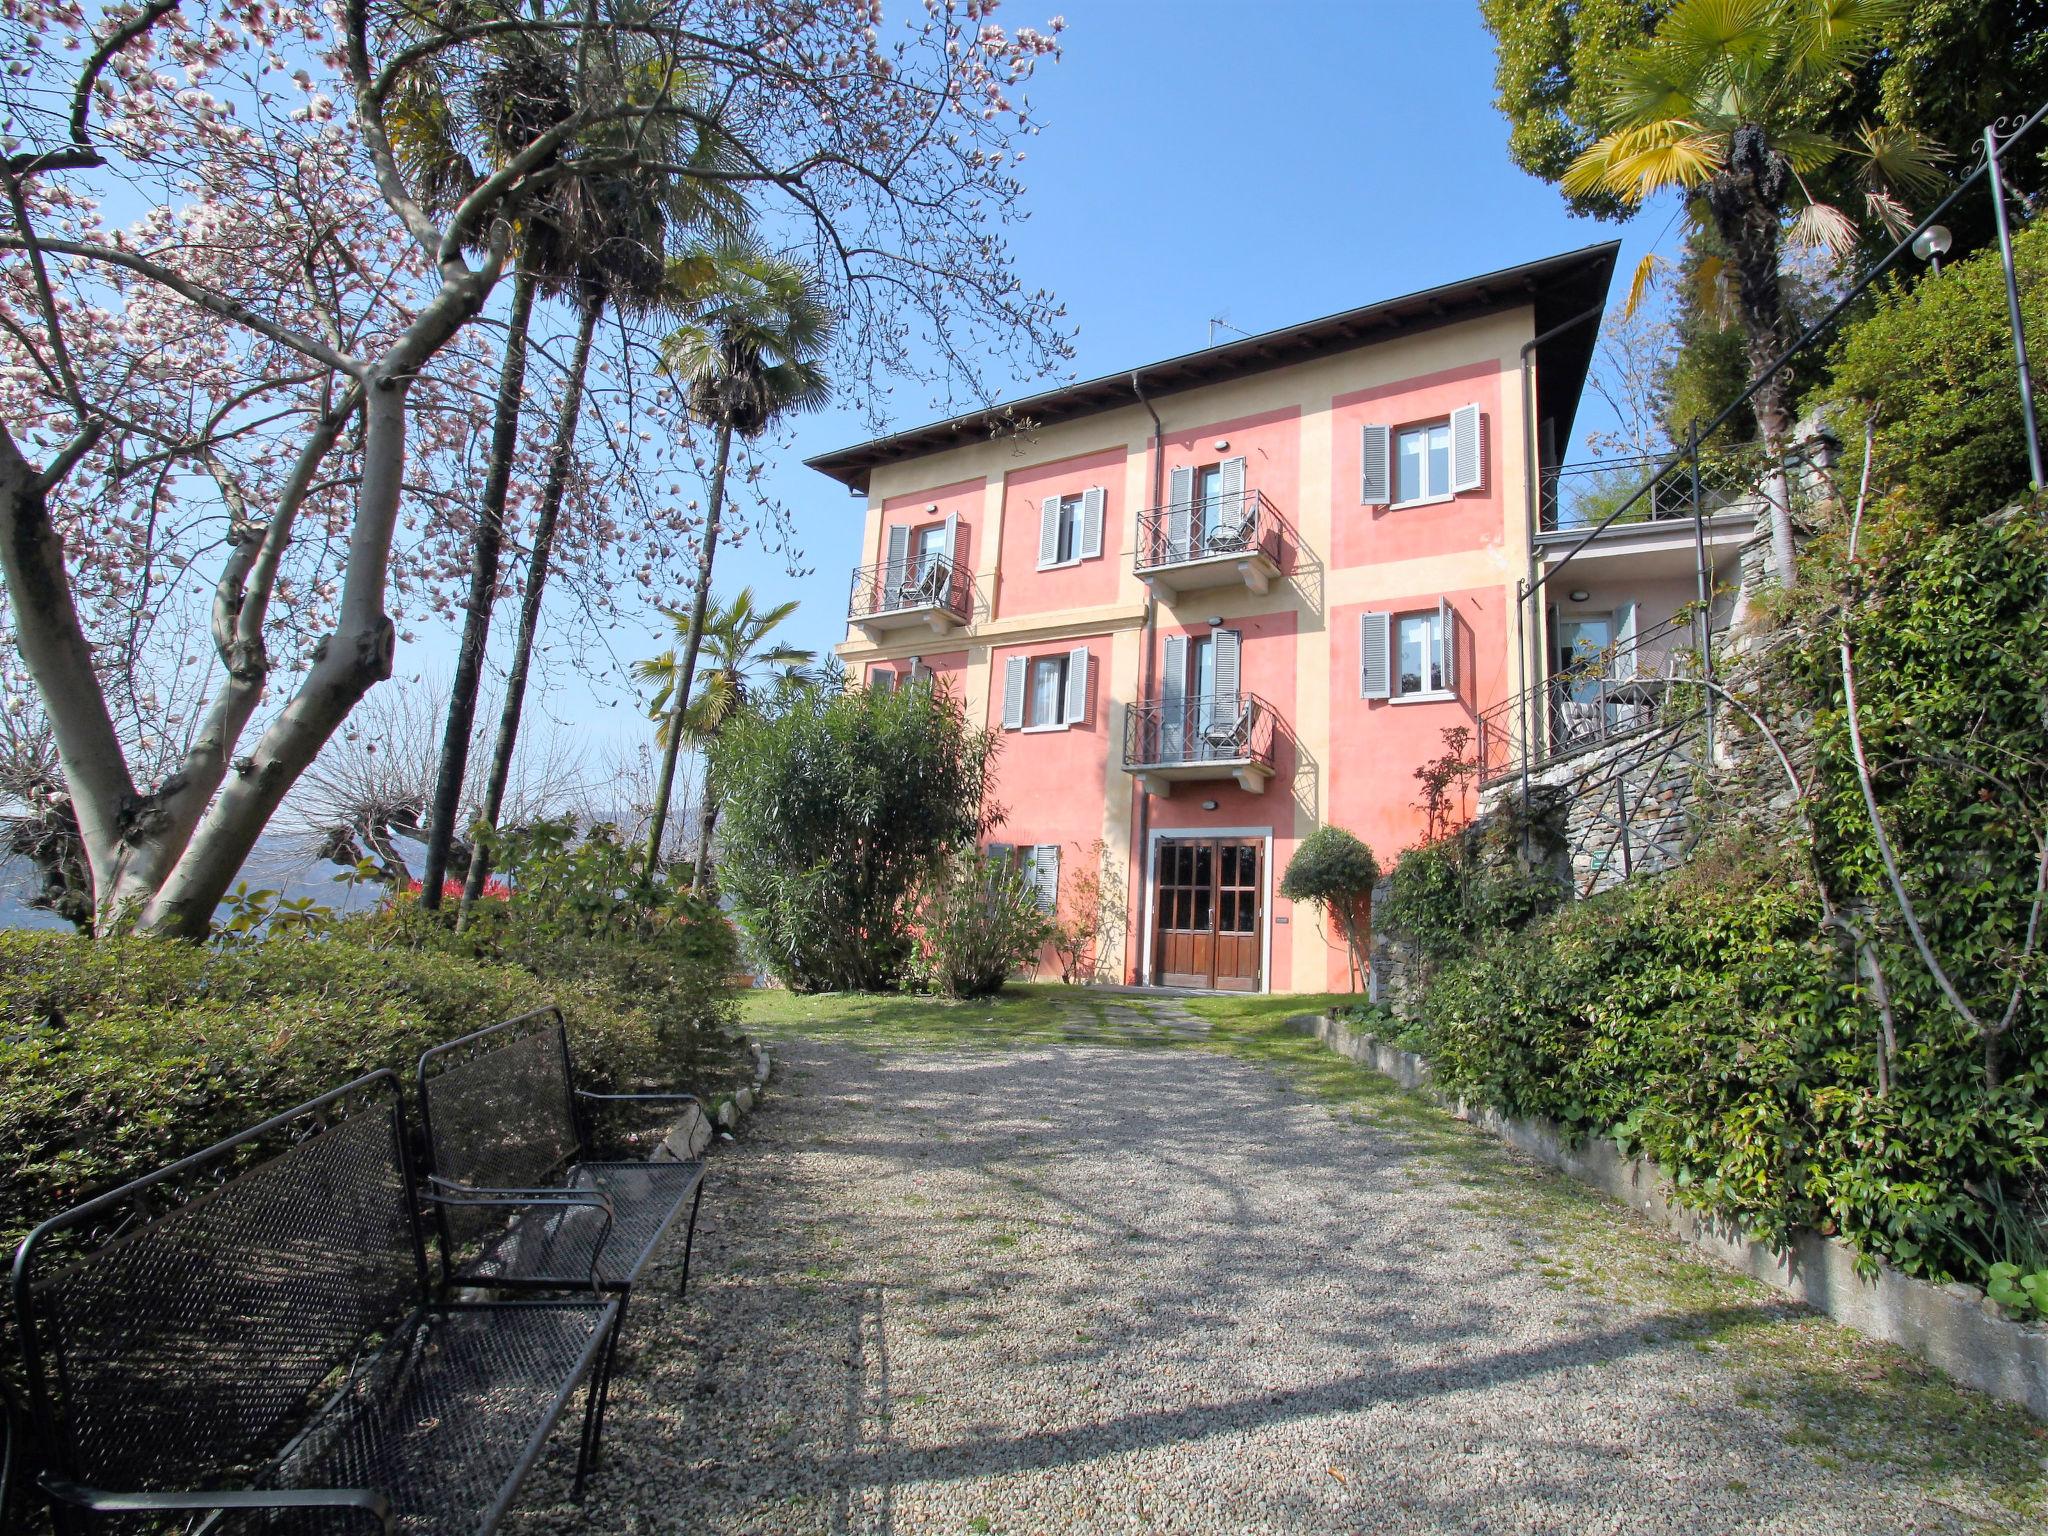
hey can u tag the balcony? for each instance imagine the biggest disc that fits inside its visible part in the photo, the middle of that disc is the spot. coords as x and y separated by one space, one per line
1223 541
932 592
1219 736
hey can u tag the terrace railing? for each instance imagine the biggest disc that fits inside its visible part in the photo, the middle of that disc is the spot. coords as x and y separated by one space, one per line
1219 728
1241 523
909 586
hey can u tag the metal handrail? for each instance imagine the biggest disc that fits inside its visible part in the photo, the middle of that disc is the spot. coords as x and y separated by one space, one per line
1203 728
1241 523
1605 696
912 585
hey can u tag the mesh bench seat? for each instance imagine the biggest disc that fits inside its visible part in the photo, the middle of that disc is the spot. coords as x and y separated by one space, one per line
248 1340
509 1160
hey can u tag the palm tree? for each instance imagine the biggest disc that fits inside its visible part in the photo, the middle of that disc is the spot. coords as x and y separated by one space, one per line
736 638
1715 106
597 232
747 353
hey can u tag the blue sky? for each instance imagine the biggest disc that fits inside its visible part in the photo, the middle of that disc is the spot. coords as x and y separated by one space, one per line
1265 161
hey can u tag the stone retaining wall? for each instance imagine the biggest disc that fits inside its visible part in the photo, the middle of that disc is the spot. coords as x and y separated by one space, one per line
1954 1327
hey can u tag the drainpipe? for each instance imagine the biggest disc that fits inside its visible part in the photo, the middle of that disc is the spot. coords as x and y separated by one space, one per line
1532 482
1144 848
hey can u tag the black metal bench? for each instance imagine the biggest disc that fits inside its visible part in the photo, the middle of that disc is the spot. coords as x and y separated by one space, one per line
247 1338
504 1123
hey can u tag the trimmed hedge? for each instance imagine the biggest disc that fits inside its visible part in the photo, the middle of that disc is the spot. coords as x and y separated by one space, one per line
120 1055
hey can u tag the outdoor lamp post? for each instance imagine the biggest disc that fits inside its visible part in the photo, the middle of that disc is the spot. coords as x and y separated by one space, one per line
1931 244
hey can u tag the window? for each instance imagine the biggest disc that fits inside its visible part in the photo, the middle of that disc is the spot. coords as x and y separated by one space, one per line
1419 654
1045 693
1040 866
1409 655
1070 528
1422 462
1048 703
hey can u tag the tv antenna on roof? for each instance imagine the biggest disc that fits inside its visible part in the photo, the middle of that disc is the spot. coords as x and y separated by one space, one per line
1216 320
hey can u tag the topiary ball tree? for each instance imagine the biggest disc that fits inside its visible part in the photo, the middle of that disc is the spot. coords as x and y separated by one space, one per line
1337 872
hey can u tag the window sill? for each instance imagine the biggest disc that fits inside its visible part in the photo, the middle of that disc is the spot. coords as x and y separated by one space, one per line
1044 730
1064 565
1435 696
1422 501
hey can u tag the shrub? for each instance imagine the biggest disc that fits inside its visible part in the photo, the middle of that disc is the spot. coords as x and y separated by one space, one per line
120 1055
1934 362
1337 872
979 923
839 805
1448 895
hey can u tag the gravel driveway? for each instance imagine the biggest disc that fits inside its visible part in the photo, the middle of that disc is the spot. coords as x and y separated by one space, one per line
1090 1288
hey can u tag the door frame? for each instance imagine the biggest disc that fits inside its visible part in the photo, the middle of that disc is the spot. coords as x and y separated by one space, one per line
1177 834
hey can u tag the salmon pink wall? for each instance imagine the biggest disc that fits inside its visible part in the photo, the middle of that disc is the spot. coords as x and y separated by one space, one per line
1267 662
948 666
1270 444
1362 535
963 497
1377 744
1049 782
1023 587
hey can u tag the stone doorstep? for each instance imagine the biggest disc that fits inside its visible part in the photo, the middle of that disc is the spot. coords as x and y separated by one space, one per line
690 1136
1954 1328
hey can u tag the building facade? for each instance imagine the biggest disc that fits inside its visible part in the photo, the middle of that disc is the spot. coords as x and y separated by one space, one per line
1211 603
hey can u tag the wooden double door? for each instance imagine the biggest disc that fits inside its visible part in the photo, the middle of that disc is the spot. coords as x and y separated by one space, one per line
1208 923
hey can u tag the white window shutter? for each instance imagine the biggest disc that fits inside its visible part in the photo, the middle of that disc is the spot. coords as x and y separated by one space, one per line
1625 640
1048 531
1091 523
1229 647
1447 638
1180 511
954 552
1231 472
1173 673
1077 685
1045 875
895 571
1375 478
1013 693
1375 661
1468 459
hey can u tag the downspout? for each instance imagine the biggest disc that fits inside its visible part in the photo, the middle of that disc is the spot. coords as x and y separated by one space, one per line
1528 617
1145 637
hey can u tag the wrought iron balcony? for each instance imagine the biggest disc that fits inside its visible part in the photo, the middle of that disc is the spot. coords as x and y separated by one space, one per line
1218 541
902 594
1214 736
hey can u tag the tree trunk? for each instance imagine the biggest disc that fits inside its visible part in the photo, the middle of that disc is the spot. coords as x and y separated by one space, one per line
707 823
486 547
560 453
679 700
1745 199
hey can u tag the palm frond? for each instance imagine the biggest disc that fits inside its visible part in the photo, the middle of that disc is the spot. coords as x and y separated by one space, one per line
1639 286
1900 160
1831 35
1823 226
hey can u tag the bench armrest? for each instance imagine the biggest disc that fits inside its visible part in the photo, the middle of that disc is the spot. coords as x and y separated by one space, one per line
365 1502
442 1191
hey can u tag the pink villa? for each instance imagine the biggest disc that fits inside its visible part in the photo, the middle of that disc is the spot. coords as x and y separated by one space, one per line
1213 602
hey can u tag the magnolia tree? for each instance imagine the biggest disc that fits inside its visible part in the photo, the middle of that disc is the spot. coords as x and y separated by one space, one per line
242 346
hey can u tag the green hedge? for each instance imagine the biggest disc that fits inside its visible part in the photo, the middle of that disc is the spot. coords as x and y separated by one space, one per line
118 1056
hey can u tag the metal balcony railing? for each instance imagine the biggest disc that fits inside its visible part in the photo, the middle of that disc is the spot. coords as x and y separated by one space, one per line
912 586
1605 695
1653 490
1221 728
1242 523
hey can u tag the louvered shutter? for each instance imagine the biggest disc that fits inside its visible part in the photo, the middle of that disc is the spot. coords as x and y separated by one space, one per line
956 541
1468 460
1077 685
1180 512
1045 875
1625 640
1447 640
1091 523
1013 693
895 570
1375 645
882 680
1000 853
1225 521
1048 531
1229 646
1173 692
1375 479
